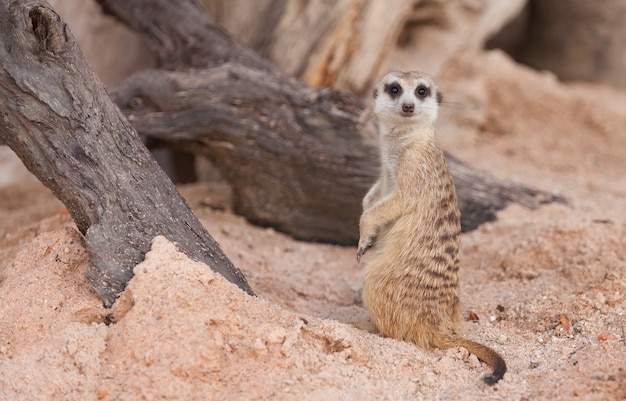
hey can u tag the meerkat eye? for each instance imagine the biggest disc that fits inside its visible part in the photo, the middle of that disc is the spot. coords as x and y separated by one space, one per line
394 90
422 91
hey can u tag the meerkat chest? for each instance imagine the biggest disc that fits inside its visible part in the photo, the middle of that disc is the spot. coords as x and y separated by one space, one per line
418 172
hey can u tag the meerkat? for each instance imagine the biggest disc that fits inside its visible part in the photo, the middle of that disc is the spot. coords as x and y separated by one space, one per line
411 223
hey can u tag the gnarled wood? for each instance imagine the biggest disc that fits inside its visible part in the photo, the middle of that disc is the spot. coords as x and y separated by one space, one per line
299 159
293 155
59 120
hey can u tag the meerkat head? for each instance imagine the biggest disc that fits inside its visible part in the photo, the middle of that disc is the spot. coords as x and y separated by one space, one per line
406 98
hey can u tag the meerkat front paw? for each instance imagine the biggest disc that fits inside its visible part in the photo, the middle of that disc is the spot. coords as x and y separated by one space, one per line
364 245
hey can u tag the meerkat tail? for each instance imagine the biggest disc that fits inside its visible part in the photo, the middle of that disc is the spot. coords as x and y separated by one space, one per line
484 353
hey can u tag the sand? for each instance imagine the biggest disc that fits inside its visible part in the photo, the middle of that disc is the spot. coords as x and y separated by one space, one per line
547 285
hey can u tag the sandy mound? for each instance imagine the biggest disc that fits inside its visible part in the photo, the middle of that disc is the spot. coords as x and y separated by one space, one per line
547 285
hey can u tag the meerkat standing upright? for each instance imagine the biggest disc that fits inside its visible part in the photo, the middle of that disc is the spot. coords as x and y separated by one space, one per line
411 222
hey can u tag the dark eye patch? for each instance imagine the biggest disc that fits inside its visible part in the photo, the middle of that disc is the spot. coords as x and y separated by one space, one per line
422 91
393 89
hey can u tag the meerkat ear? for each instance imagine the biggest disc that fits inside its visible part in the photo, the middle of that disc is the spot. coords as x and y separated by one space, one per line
439 96
375 93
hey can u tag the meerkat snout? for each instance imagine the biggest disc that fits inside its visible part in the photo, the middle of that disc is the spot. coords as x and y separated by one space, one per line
408 108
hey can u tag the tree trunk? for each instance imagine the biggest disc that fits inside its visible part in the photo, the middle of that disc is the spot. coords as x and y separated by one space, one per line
60 121
299 159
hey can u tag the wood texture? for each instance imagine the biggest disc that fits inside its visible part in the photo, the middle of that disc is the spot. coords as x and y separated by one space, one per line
349 44
58 118
299 159
293 155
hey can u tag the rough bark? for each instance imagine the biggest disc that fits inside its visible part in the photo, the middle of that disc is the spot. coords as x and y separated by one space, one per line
299 159
294 155
58 118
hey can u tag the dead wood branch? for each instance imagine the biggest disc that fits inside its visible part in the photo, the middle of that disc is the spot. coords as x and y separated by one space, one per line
59 119
299 159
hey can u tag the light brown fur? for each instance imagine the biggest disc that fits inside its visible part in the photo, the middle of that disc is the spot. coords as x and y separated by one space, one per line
411 222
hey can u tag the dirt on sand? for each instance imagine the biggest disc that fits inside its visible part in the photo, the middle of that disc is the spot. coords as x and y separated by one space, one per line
547 285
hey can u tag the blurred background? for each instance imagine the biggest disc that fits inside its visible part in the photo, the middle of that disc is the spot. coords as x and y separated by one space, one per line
349 43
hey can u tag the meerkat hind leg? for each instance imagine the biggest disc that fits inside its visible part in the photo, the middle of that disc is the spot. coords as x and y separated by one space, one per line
367 326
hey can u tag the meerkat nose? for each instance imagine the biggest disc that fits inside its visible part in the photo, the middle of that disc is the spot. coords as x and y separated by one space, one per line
408 108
